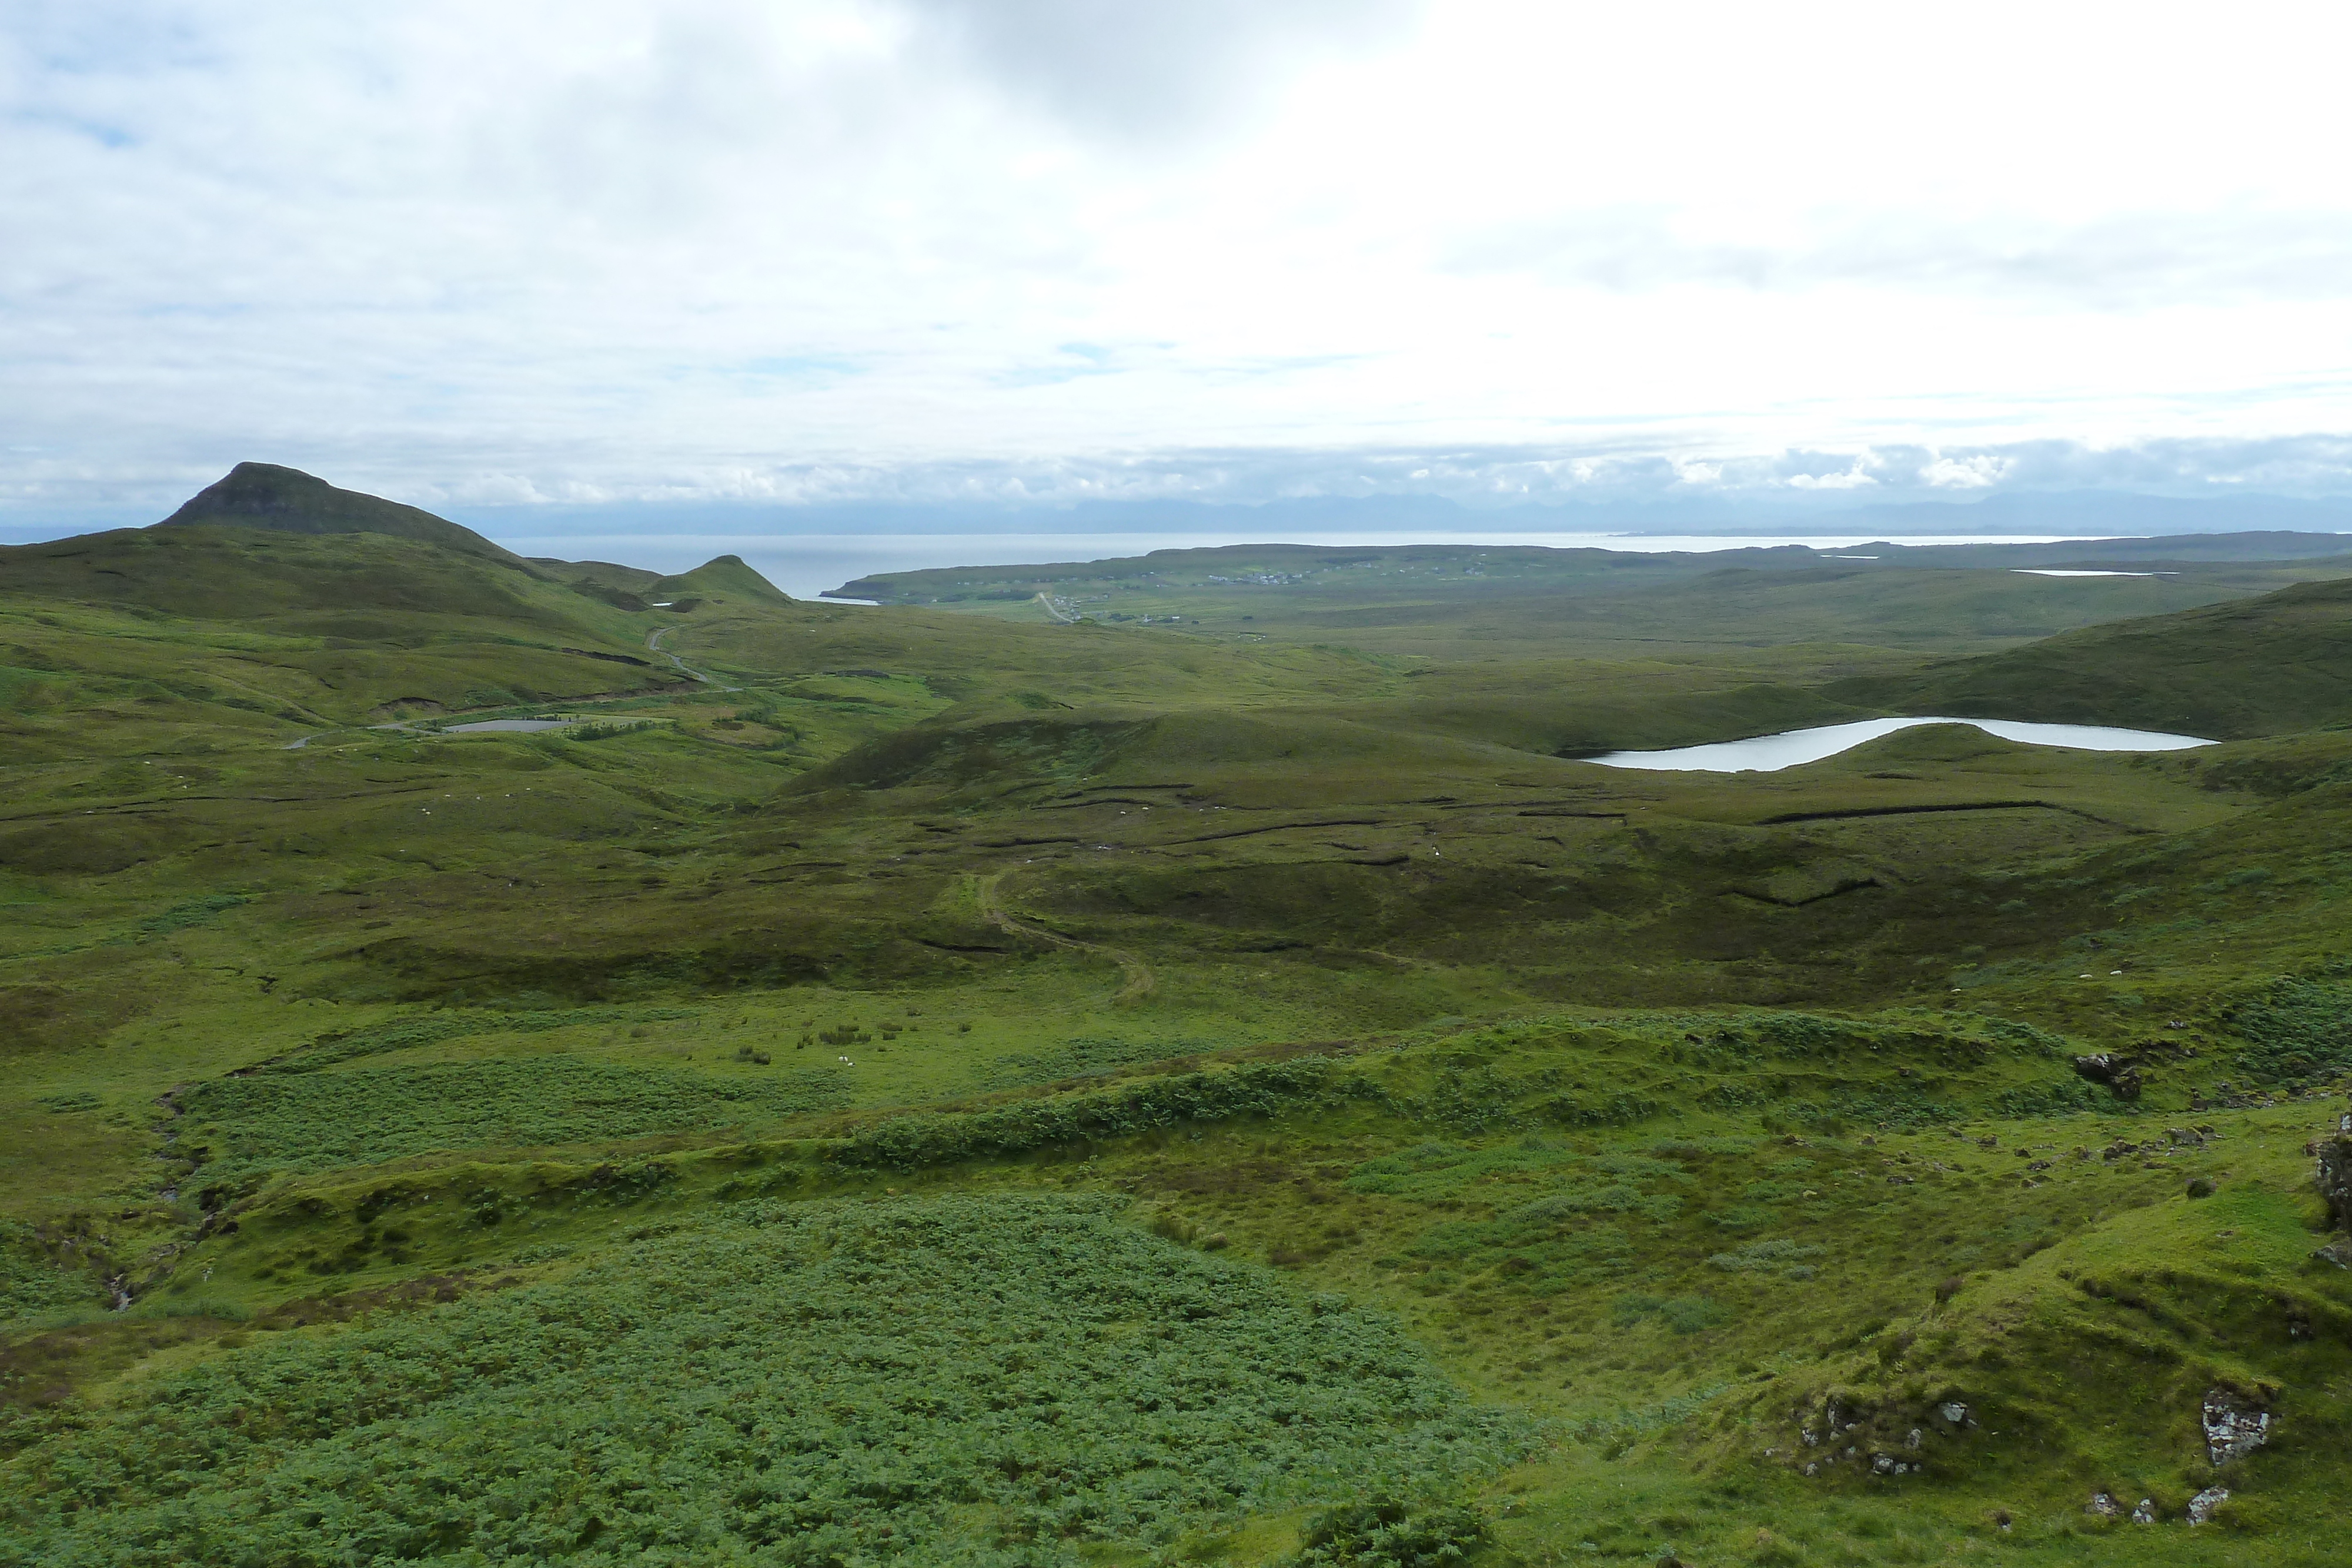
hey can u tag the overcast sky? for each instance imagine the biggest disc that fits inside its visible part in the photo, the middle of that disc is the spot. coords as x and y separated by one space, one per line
988 250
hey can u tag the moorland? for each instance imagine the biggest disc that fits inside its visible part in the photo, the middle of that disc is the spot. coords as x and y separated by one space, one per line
1172 1059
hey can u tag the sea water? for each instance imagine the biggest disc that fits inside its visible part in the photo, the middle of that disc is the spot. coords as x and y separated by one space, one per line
806 565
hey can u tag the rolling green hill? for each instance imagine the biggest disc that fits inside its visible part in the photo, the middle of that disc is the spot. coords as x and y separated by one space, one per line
2268 665
906 1084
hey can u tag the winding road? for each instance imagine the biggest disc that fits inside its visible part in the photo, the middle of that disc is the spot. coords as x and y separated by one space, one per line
653 645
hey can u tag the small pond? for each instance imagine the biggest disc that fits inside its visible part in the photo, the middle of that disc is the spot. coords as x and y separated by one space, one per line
2066 571
505 726
1770 753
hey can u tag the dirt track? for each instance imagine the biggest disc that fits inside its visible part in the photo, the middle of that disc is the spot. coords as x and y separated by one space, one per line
1136 974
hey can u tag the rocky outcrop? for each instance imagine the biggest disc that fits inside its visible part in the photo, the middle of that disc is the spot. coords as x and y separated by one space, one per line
2121 1074
1893 1439
2202 1506
2336 1179
2234 1425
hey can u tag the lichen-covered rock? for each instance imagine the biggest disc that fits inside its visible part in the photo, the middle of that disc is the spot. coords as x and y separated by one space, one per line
2336 1179
2105 1505
2202 1506
2235 1425
2146 1512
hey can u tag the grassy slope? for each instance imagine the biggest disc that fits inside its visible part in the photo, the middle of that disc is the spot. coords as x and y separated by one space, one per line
1628 1100
2267 666
127 636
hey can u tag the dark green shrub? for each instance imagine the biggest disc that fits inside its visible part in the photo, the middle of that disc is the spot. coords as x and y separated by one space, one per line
1391 1534
1681 1314
2295 1028
196 912
1263 1090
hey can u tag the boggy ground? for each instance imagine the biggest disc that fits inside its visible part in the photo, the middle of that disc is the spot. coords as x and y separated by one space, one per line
977 1091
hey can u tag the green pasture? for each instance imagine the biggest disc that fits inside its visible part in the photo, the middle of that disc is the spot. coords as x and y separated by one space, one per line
1464 602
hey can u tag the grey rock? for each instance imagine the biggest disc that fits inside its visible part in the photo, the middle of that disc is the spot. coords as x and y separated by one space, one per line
2121 1074
2146 1512
2235 1427
2336 1179
1912 1439
1954 1412
2202 1506
2105 1505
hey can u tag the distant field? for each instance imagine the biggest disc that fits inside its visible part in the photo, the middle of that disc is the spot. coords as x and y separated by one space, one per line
1468 602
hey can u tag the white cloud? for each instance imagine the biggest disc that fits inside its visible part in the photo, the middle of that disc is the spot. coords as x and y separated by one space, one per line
1149 73
1977 473
1004 249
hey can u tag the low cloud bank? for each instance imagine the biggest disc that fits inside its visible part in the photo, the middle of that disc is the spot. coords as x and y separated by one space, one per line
2162 486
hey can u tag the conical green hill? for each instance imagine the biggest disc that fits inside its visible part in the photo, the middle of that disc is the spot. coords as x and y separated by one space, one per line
726 577
265 495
